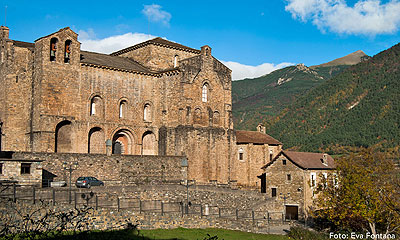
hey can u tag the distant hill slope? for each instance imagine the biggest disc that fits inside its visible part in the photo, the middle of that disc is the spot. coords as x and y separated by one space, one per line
351 59
358 107
260 99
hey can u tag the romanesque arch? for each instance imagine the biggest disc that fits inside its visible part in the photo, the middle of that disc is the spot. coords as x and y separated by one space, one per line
67 51
96 143
96 106
122 142
63 137
53 49
149 144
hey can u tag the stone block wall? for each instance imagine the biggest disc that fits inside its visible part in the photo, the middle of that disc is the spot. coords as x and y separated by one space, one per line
122 169
288 192
158 57
12 171
255 156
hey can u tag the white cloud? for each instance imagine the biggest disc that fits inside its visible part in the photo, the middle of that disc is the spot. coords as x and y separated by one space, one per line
155 14
110 44
241 71
366 17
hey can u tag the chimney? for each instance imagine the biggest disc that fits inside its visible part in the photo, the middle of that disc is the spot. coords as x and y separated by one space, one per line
4 32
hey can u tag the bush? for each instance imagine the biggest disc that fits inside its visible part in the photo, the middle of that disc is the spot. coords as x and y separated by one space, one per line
299 233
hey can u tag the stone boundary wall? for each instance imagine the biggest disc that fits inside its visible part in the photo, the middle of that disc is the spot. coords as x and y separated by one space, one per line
120 168
112 219
221 197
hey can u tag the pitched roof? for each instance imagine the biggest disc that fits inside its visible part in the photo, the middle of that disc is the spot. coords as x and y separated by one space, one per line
62 29
158 42
306 160
123 63
24 44
255 137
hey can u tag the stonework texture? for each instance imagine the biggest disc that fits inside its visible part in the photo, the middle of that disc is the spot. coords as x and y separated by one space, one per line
132 116
154 98
293 185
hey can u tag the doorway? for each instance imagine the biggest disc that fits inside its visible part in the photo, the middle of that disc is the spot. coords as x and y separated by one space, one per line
263 184
292 212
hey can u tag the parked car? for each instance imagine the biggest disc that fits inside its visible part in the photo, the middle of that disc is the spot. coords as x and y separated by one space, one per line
87 182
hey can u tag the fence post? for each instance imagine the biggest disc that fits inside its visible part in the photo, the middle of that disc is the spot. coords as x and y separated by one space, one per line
201 211
118 204
33 195
219 212
54 197
237 214
75 199
162 209
252 215
268 217
97 202
14 193
140 206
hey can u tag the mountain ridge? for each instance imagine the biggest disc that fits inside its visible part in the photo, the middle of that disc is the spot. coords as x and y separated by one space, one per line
356 108
260 99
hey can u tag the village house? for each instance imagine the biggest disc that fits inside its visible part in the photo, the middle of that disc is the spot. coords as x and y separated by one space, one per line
291 179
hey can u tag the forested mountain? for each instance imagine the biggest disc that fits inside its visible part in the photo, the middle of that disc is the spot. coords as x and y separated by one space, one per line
358 107
260 99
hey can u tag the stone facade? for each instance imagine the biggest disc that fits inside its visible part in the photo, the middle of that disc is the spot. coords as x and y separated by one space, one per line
157 101
25 172
252 151
155 98
291 179
115 169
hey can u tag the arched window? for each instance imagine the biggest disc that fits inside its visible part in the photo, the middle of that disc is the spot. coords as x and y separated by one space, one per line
216 117
176 60
96 106
197 115
122 109
204 92
67 51
147 113
241 154
53 49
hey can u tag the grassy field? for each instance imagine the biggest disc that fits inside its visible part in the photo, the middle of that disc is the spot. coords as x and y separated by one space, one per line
159 234
189 234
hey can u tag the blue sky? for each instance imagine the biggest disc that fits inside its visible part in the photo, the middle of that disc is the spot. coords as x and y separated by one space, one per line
251 37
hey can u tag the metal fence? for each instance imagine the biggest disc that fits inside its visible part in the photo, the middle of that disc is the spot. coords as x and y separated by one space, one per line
77 198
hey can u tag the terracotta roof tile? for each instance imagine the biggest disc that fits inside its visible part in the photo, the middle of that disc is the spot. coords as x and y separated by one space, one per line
157 41
112 61
306 160
255 137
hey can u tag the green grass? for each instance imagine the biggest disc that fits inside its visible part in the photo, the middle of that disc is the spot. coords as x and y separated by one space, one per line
194 234
161 234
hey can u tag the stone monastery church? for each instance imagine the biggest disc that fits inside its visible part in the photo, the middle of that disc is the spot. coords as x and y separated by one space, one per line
154 98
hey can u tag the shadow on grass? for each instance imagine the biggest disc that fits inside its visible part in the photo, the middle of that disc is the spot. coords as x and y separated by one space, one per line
125 234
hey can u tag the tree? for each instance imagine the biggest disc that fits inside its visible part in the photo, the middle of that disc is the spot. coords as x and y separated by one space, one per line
367 195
